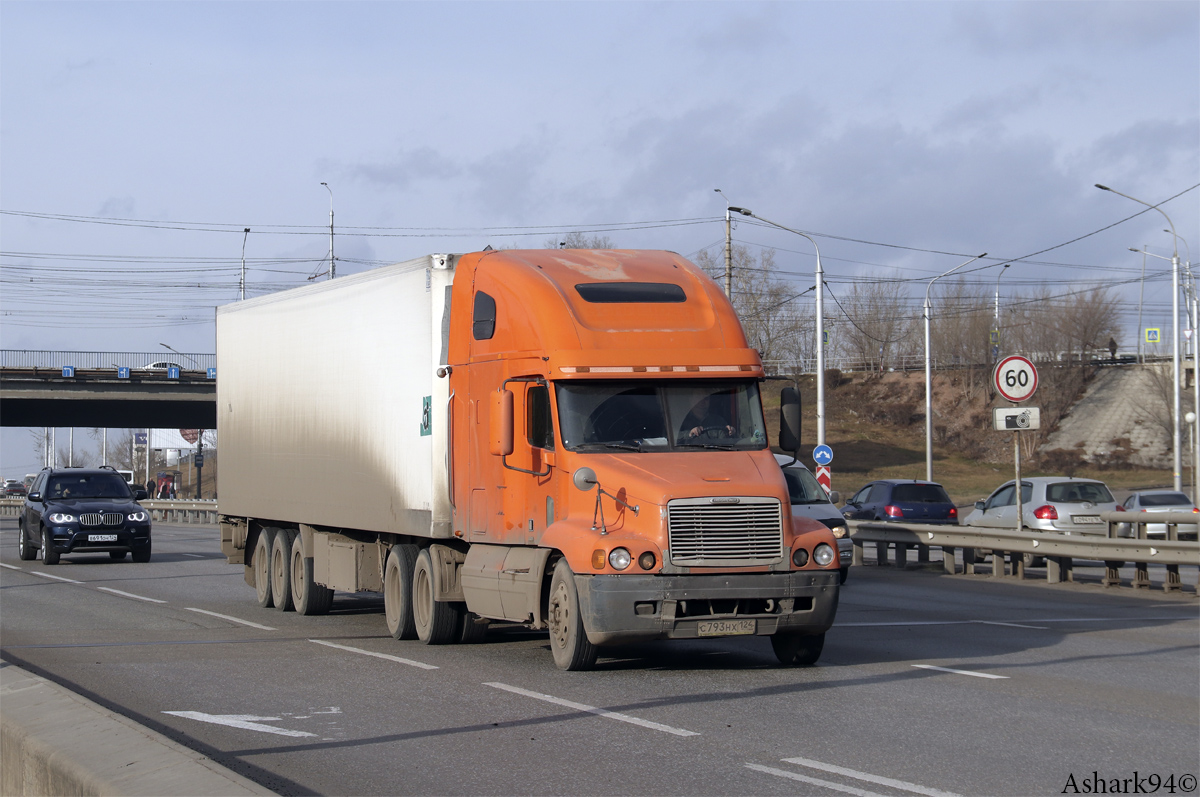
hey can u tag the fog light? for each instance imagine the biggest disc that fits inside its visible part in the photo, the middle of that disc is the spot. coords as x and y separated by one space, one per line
647 560
598 558
799 557
619 558
823 555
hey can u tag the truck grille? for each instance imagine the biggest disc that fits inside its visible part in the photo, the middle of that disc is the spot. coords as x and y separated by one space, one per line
106 519
706 534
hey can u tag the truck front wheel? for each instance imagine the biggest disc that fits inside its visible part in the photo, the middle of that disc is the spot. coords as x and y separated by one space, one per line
568 640
398 592
262 568
801 649
437 621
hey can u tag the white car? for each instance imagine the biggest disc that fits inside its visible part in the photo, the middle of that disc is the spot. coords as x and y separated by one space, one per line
1159 501
810 500
1049 503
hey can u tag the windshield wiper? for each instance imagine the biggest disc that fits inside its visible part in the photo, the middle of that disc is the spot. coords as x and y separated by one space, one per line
622 446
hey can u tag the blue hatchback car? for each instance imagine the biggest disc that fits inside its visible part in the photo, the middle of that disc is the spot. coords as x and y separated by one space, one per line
902 500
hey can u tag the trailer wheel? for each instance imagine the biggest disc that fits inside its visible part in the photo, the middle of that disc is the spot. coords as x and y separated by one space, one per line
437 621
281 570
398 592
262 567
308 597
801 649
568 640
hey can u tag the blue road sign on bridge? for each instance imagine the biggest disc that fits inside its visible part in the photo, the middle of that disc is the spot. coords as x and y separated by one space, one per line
822 455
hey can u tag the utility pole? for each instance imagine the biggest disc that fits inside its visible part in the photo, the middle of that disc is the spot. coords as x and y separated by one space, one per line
728 249
332 271
242 282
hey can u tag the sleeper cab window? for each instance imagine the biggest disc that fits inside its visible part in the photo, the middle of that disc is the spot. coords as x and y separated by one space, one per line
483 325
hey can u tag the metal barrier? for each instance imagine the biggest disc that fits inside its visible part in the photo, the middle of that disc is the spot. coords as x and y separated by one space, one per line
166 511
1059 549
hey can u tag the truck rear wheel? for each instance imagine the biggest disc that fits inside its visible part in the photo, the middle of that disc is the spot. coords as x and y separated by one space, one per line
262 568
798 649
568 640
398 591
437 621
281 570
308 597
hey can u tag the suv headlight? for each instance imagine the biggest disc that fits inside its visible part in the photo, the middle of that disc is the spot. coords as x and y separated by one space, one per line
839 531
138 517
61 517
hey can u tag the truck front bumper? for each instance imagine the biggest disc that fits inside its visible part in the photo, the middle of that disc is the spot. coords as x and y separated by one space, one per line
628 608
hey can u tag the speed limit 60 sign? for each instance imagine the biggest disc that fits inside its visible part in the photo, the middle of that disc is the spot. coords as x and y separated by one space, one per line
1015 378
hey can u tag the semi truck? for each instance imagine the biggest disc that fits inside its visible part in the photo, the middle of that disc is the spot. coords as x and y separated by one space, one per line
573 440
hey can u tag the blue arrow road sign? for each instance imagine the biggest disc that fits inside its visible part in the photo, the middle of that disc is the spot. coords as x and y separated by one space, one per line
822 455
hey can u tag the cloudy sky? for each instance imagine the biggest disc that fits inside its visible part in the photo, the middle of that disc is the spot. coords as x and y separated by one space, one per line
138 141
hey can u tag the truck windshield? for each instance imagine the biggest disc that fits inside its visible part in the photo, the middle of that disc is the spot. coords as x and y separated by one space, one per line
660 415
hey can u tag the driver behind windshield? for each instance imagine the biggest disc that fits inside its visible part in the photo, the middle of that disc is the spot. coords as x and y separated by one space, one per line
703 419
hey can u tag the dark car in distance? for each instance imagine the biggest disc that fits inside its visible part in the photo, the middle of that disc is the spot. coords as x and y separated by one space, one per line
901 500
83 510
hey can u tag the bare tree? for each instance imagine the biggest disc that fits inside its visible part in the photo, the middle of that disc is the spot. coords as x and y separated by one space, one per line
579 240
877 322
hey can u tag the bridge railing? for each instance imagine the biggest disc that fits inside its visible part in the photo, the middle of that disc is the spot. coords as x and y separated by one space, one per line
165 511
14 358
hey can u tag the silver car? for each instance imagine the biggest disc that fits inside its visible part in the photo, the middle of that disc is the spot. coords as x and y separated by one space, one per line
1049 503
1159 501
810 500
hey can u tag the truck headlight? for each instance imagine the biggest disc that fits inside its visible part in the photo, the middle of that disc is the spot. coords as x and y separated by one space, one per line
823 555
619 558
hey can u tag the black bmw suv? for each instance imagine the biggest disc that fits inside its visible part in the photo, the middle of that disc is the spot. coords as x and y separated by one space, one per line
83 510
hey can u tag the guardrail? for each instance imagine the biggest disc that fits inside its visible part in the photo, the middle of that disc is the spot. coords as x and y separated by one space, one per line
167 511
1059 550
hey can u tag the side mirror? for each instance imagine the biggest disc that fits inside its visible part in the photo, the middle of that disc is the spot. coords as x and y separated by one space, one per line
35 497
789 420
501 423
834 496
140 495
979 505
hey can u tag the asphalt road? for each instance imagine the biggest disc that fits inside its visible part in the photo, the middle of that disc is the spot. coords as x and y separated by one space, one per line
929 684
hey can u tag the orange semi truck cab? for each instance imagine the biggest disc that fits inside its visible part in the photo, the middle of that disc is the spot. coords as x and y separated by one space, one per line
597 453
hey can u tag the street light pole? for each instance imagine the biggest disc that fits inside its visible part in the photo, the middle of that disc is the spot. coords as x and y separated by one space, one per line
332 272
242 282
996 312
928 369
1177 454
181 354
820 320
728 249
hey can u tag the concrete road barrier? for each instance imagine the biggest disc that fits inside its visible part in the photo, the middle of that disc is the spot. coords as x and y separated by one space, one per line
53 741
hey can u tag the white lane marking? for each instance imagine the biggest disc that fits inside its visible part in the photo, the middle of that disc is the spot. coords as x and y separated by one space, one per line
245 721
396 659
960 672
612 715
1011 625
232 619
197 555
129 595
869 778
783 773
56 578
11 567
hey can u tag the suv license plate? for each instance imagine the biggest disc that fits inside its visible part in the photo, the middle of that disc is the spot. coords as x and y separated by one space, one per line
102 538
726 627
1093 519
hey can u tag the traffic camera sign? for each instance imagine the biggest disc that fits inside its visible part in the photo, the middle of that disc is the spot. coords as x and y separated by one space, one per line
1015 378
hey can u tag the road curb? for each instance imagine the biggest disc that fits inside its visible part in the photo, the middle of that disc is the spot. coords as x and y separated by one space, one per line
53 741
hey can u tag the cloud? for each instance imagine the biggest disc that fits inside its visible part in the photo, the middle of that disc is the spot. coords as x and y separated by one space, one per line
1026 27
116 208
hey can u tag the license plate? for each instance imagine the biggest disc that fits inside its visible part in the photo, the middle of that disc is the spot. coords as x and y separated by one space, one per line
1094 519
102 538
727 627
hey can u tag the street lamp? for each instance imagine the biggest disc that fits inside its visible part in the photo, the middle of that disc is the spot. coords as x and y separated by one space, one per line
728 248
928 370
242 282
820 320
996 312
181 354
331 266
1177 456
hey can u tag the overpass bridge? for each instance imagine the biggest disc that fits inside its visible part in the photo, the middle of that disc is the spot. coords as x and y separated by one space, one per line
117 390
